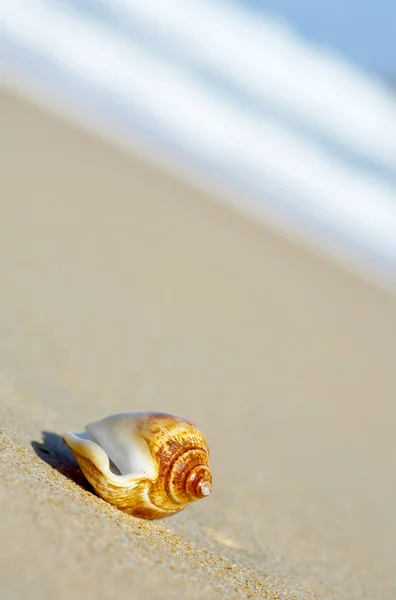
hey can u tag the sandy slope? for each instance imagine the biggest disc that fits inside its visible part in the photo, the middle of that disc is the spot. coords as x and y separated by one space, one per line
124 289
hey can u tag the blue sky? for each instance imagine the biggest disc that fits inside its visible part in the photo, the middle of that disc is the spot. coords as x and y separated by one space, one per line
362 30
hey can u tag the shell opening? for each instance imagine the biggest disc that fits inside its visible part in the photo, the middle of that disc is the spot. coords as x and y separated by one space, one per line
126 451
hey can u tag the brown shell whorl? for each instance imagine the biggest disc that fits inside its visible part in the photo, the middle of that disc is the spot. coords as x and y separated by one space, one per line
186 475
181 454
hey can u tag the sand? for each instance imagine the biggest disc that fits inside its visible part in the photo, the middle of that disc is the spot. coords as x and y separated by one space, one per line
124 288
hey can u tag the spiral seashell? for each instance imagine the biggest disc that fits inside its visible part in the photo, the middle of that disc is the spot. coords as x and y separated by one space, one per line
148 464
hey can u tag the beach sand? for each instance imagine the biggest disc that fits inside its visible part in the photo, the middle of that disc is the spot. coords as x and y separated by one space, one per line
123 288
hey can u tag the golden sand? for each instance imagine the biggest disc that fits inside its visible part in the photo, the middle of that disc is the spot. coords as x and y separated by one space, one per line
124 289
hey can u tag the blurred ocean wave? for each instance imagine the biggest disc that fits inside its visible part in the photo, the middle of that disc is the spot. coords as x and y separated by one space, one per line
296 136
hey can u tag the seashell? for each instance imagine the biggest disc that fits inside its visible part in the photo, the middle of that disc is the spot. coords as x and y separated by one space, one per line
148 464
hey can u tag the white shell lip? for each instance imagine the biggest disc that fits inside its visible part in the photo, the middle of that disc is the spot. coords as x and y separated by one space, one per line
114 439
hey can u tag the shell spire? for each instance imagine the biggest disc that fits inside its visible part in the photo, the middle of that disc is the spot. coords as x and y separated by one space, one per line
149 464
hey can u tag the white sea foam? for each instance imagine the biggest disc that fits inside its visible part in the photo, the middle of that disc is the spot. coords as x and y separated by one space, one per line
270 61
292 166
